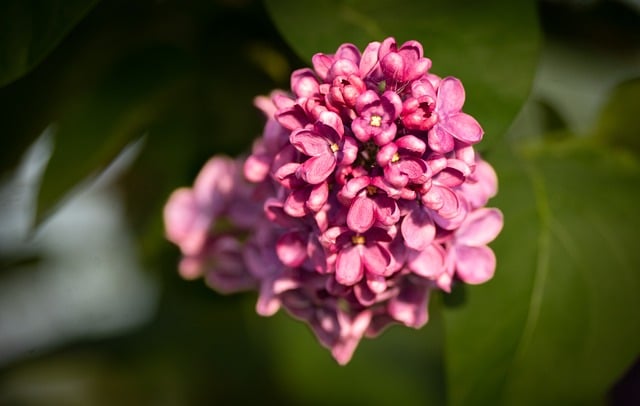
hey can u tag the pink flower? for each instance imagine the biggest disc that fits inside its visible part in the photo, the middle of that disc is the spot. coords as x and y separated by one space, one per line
190 213
376 117
418 110
368 204
326 145
366 195
358 253
452 122
221 264
404 64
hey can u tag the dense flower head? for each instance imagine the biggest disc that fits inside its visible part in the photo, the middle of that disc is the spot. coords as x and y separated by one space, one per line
363 195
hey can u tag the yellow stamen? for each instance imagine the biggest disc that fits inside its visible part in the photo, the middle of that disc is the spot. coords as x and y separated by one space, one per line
358 239
376 121
395 157
334 147
371 190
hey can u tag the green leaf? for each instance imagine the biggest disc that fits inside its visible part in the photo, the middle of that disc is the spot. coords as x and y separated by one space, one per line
490 45
29 30
619 125
558 323
91 134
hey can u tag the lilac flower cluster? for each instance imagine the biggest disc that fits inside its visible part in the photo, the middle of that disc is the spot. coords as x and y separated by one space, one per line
363 195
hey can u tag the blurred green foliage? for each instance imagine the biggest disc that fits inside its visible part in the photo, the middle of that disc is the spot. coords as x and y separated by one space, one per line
557 325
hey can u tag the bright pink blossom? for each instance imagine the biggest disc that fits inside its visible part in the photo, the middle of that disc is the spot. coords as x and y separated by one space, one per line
362 196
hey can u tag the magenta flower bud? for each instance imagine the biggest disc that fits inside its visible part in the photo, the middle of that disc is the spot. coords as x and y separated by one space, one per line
404 64
344 92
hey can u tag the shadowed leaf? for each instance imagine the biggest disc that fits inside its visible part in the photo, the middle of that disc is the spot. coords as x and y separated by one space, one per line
29 30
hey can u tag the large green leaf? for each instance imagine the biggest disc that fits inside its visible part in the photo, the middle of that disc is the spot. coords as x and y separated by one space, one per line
93 132
558 324
29 30
619 124
490 45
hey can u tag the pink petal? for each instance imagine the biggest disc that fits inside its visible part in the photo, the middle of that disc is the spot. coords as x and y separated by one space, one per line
334 122
185 223
349 52
463 127
342 67
386 135
351 189
304 83
256 167
428 263
349 267
385 154
388 45
292 118
273 210
291 250
440 140
180 214
417 69
364 294
295 203
392 103
321 64
366 99
421 88
377 283
386 210
318 168
410 306
481 185
443 200
411 143
309 142
268 302
215 183
360 217
393 66
480 227
350 336
416 169
450 96
369 59
349 151
418 229
411 50
318 196
376 259
395 176
467 155
475 265
190 267
265 104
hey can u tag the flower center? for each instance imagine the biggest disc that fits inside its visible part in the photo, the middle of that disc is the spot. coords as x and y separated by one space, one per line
334 147
375 121
395 158
358 239
427 109
371 190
